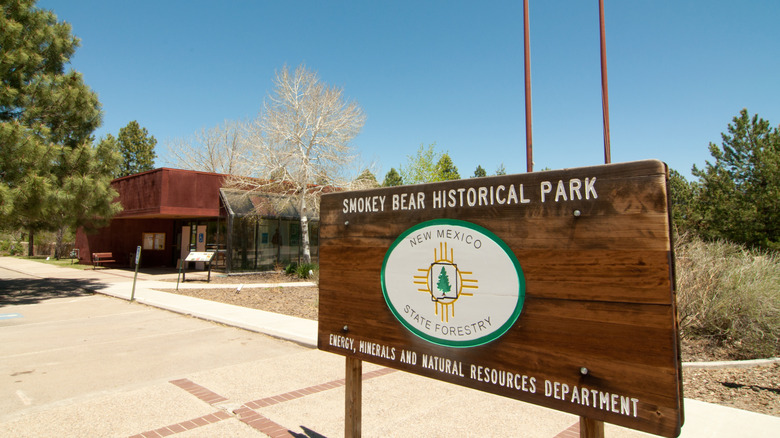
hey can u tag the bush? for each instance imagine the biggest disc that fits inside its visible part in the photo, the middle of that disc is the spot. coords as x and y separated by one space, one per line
730 295
303 270
10 248
291 268
306 270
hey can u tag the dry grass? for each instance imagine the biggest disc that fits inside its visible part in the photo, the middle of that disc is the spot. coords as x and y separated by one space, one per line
729 295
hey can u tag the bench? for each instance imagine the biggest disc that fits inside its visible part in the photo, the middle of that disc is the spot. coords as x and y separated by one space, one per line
99 258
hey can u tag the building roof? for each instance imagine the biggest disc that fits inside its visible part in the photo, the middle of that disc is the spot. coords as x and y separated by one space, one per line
263 205
177 193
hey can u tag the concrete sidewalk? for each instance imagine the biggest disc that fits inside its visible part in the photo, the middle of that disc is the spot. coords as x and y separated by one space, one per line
701 419
119 283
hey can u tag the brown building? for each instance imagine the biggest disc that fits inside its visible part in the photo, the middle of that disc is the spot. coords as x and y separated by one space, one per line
170 212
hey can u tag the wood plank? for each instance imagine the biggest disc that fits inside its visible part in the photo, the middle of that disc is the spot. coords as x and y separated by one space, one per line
590 428
353 400
593 253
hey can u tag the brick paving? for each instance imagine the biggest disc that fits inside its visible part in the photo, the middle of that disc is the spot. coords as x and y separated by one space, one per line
199 391
572 432
247 413
184 426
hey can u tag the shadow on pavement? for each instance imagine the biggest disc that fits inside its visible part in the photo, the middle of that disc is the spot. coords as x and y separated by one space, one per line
34 290
307 433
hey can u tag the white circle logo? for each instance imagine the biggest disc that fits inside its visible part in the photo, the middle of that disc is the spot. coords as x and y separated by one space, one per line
453 283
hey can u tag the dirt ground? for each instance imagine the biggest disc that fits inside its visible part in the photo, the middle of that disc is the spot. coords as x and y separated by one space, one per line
754 389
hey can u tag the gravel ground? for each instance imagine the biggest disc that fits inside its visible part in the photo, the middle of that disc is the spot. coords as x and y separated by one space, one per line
754 389
294 301
300 301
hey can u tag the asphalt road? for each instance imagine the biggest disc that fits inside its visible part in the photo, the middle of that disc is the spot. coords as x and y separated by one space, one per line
78 364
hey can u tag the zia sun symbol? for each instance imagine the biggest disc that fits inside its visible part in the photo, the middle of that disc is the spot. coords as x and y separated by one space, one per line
444 282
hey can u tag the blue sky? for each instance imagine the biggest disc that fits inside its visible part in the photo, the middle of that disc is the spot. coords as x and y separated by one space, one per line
449 72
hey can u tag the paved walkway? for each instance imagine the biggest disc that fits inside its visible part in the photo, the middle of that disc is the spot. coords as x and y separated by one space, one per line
401 404
119 283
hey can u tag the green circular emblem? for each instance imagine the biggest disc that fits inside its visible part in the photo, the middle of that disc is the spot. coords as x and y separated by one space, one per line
453 283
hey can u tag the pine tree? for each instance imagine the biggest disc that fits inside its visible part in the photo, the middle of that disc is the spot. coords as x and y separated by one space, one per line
739 197
392 179
445 169
683 196
444 282
47 117
137 148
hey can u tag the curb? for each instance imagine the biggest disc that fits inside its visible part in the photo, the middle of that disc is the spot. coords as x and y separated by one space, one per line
272 324
731 364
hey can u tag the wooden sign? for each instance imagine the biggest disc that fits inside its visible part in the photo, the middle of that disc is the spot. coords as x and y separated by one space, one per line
554 288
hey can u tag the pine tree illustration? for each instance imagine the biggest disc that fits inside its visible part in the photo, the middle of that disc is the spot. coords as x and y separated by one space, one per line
444 282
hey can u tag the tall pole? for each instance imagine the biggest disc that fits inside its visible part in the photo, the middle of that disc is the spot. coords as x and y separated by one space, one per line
604 87
529 149
590 428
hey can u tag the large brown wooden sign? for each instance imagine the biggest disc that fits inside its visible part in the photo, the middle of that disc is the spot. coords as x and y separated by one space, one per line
554 288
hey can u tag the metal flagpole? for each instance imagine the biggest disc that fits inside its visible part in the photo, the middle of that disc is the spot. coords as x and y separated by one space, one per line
604 87
589 427
529 149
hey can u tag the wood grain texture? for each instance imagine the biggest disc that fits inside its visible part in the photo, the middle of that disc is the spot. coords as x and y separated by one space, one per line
353 398
599 290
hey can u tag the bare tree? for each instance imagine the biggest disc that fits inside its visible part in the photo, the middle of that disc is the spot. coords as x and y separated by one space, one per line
301 142
219 149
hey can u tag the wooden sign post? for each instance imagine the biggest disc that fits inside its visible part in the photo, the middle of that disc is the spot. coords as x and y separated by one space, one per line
353 400
554 288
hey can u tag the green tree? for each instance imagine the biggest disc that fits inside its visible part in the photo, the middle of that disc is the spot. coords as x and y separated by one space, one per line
740 191
137 149
428 165
500 170
444 282
683 199
421 168
47 117
445 169
85 197
392 179
479 172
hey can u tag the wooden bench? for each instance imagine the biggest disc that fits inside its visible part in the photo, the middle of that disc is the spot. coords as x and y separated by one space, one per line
99 258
